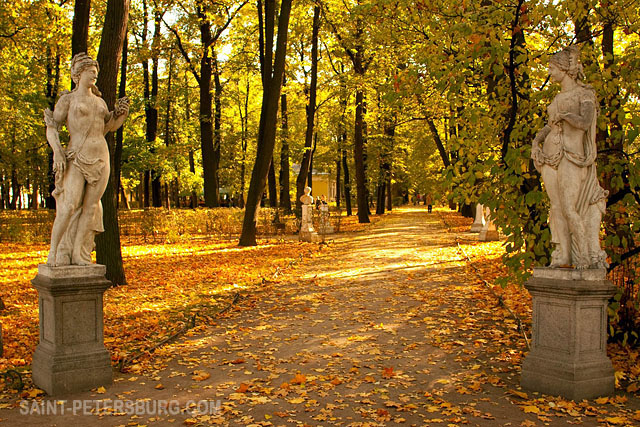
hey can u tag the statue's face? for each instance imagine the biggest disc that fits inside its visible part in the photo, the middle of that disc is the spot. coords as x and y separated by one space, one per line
555 72
89 76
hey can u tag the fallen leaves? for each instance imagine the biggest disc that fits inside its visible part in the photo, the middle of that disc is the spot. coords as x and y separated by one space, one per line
200 375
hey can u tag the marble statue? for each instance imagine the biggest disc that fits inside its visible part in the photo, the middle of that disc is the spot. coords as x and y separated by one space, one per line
307 233
567 162
307 198
82 168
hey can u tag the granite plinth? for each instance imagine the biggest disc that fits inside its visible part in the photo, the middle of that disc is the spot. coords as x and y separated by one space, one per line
71 355
568 355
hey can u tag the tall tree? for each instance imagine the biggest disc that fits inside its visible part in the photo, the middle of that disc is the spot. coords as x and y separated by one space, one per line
305 164
108 251
353 45
210 33
285 197
272 70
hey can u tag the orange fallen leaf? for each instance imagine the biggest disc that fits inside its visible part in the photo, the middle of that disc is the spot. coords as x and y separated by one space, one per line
388 373
159 387
531 409
299 379
237 361
200 375
243 388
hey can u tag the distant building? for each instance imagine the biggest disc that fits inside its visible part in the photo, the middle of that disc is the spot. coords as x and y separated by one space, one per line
323 184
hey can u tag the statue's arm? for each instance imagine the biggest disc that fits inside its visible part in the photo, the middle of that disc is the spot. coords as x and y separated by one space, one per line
117 117
541 135
54 120
583 120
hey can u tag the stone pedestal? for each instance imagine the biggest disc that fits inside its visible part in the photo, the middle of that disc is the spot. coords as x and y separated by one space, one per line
307 232
478 222
71 355
325 221
489 232
568 354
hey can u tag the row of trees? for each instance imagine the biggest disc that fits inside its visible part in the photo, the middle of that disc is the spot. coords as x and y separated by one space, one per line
432 96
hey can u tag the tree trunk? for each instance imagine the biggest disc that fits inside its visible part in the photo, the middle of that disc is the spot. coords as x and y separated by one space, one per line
358 156
285 197
272 76
192 169
53 79
122 91
338 173
313 151
217 128
273 187
305 170
80 27
167 121
211 190
108 250
244 117
347 181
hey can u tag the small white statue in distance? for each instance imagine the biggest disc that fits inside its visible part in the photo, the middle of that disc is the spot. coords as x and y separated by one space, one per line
306 225
82 168
566 162
307 198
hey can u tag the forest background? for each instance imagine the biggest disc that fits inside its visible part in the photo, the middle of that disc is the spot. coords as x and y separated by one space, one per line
391 98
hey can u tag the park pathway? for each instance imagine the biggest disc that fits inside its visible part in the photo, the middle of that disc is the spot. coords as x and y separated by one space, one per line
382 327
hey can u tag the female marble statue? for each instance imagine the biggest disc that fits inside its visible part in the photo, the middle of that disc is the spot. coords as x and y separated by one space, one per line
82 168
566 162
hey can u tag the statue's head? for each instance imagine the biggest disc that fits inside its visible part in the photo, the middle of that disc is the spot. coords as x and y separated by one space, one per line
79 63
307 190
568 60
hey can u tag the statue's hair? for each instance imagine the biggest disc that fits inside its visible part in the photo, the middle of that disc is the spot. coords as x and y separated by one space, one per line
568 60
80 62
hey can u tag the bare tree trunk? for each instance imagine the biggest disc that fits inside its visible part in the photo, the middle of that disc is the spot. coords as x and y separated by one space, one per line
120 132
311 111
167 121
358 155
53 80
108 251
192 169
273 188
272 76
217 125
285 197
338 173
347 180
80 27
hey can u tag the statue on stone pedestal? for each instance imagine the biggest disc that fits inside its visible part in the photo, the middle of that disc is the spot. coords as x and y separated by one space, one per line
82 168
566 161
307 212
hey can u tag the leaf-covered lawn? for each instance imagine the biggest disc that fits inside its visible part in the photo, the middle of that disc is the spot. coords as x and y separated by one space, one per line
167 285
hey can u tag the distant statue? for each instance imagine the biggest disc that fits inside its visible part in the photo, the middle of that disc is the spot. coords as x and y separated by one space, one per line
82 168
566 162
307 198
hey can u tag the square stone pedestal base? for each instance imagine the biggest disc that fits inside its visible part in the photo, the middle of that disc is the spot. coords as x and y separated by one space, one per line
309 236
569 354
71 356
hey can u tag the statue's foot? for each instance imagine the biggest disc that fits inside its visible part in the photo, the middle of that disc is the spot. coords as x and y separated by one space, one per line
51 260
63 260
80 261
